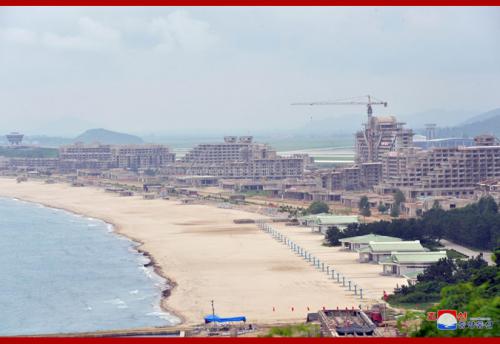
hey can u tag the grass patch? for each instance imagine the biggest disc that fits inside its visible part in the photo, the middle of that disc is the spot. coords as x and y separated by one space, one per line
422 306
29 152
301 330
454 254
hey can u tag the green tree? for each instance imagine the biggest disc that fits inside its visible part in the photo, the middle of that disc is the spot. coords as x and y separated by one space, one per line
363 202
394 211
487 205
436 205
332 236
399 197
318 207
496 256
364 206
382 208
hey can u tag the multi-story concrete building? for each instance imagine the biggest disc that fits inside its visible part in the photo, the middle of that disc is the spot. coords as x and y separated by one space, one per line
38 164
361 176
85 156
238 158
381 134
146 156
97 156
454 171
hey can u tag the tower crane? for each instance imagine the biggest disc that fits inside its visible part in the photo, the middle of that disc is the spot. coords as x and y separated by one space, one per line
352 101
369 132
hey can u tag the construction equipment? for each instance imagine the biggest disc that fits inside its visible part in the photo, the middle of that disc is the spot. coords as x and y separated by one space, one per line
351 101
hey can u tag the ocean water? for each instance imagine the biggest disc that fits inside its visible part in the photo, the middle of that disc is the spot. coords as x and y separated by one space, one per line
61 272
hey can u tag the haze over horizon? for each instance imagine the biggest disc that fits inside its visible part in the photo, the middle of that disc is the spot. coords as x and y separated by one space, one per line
194 70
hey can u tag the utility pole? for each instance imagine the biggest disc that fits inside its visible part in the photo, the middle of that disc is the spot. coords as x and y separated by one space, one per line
213 313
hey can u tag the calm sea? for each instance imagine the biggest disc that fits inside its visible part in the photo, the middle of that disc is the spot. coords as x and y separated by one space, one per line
61 272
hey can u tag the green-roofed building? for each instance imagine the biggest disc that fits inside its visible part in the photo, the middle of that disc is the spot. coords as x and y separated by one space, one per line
362 241
323 223
308 220
377 251
410 264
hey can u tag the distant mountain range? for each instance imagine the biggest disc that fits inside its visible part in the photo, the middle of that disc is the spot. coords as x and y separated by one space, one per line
336 129
484 123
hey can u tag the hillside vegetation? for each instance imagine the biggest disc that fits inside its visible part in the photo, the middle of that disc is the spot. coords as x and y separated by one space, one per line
29 152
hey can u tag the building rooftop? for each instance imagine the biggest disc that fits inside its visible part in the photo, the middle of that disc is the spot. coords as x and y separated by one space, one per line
314 216
365 239
414 257
398 246
336 220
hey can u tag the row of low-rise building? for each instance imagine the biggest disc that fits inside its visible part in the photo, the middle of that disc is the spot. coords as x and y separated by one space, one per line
397 257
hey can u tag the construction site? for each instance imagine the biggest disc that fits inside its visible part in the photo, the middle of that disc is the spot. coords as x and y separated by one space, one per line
386 159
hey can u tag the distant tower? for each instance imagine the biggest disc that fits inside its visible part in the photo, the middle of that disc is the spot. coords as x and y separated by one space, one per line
430 131
14 138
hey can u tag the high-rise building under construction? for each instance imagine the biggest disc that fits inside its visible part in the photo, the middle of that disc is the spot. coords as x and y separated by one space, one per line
380 135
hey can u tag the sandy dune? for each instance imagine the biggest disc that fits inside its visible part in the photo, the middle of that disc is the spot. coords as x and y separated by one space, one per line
209 257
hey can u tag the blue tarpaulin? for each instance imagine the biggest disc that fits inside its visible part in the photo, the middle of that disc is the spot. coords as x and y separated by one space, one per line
214 318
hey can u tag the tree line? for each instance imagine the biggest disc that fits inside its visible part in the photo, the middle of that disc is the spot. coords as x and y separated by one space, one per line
464 285
476 225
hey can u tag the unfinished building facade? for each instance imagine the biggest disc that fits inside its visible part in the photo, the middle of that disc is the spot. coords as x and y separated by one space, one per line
102 157
454 171
381 134
238 158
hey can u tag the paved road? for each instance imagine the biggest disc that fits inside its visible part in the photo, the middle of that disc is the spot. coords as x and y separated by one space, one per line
467 251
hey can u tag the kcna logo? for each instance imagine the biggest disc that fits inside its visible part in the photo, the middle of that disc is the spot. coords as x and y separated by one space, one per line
450 319
447 319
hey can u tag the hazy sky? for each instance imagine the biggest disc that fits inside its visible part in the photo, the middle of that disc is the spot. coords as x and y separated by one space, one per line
168 69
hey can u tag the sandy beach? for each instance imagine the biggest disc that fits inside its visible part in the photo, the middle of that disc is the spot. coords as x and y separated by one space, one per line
204 253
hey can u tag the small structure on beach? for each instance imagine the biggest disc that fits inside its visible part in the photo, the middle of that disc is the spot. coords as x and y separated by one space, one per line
377 251
345 322
21 179
243 221
409 264
238 198
152 187
362 241
149 196
126 193
114 189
